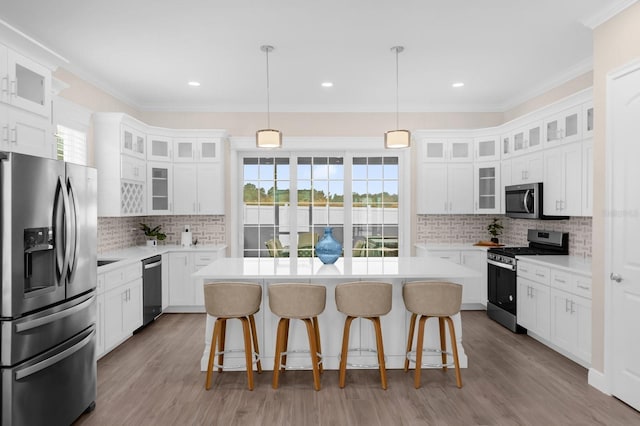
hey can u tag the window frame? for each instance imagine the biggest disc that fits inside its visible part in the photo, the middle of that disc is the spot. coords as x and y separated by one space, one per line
348 148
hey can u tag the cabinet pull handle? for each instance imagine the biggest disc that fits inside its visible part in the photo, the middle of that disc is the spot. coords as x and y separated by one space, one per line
14 88
560 281
584 287
572 304
14 138
539 275
5 84
5 133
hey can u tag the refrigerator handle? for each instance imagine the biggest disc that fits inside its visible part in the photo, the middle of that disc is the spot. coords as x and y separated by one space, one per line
58 217
73 229
67 229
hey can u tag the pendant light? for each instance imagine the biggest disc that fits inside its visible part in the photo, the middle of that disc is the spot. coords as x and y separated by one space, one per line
268 138
397 138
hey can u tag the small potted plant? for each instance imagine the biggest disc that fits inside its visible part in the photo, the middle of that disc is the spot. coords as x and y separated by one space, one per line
495 229
153 234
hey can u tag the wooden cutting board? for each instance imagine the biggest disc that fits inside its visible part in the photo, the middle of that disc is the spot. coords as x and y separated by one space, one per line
488 244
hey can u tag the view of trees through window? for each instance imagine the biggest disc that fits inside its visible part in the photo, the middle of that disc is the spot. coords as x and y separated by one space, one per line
320 202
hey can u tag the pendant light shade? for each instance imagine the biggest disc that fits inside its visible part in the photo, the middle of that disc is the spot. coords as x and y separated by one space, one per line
397 138
268 138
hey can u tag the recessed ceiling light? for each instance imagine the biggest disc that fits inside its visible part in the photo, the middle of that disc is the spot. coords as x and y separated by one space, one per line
194 83
458 84
327 84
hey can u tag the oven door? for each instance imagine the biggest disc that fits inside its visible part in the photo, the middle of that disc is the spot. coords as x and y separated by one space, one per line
502 285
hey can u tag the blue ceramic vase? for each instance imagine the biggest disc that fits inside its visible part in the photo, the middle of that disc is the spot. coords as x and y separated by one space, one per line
328 249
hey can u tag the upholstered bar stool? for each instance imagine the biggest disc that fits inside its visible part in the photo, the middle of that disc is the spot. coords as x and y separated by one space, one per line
427 300
363 299
233 300
297 301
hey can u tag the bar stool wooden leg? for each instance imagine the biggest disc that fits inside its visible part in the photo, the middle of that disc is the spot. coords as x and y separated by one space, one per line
212 353
380 349
316 327
280 336
454 346
314 352
418 372
254 336
345 348
248 355
443 343
222 334
285 343
412 327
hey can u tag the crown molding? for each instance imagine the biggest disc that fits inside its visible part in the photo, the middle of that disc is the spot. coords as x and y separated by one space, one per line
607 13
25 44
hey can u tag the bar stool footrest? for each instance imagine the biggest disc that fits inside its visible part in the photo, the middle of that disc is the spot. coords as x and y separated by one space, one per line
297 367
255 355
411 356
354 365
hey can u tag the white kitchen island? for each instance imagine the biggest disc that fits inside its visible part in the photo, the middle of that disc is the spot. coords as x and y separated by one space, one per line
310 270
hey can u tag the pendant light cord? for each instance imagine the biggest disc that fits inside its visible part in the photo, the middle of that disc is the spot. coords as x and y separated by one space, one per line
397 91
268 100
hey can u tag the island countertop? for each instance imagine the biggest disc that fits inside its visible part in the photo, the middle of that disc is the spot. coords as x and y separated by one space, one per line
353 268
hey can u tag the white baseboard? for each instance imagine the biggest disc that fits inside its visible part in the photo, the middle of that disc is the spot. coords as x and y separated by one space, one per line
598 380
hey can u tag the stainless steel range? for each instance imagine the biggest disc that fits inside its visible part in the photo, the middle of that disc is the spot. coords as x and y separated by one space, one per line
502 273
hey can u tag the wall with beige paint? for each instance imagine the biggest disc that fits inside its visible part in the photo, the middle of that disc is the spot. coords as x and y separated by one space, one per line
616 42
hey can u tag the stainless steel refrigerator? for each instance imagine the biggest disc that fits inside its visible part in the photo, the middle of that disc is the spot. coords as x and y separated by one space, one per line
48 227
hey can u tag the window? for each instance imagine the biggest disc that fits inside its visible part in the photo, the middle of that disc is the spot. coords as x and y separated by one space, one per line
288 201
71 145
374 210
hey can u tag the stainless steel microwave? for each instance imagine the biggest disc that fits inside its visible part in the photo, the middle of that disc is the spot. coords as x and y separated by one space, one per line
525 202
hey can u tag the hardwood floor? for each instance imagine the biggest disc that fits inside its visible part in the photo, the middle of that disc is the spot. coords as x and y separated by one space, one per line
154 379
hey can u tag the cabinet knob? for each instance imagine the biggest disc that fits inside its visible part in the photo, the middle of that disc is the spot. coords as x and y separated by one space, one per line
615 277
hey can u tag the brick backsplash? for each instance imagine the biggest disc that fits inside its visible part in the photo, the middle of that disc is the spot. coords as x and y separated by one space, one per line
463 229
120 232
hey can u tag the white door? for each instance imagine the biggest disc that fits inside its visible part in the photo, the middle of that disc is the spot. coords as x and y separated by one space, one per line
623 248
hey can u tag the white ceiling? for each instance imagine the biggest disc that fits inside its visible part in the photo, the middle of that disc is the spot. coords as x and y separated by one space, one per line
145 51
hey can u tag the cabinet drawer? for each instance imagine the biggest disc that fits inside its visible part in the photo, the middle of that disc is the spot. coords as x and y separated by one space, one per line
453 256
562 280
133 168
120 276
203 259
539 274
582 286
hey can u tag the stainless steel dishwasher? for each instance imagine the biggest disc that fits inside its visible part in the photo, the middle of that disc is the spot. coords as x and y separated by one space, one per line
151 289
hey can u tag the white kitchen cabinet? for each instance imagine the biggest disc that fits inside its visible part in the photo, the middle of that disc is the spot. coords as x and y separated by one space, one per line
185 293
445 188
563 181
474 290
133 141
564 127
119 306
487 148
209 150
587 178
198 188
527 169
454 150
25 132
24 83
159 148
165 281
527 138
184 149
506 146
505 180
571 323
160 188
487 187
533 303
121 174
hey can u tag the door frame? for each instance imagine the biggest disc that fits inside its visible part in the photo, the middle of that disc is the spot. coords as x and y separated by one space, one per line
603 381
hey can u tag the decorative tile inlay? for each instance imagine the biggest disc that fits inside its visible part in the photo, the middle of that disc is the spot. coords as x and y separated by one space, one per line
463 229
120 232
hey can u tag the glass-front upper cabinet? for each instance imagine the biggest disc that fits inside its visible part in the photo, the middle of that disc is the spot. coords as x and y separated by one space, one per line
159 148
160 188
209 150
487 148
454 150
564 127
25 83
133 142
487 187
505 146
528 138
184 150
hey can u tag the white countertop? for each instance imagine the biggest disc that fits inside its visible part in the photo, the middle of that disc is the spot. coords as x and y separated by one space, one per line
355 268
450 246
137 253
575 264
